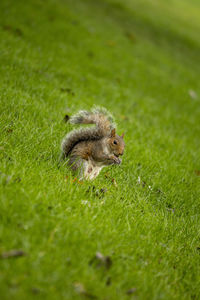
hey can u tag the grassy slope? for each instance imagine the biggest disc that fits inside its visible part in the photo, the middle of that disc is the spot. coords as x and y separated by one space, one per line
140 61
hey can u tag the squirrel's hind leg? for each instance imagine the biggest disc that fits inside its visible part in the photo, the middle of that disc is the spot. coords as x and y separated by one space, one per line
85 168
77 165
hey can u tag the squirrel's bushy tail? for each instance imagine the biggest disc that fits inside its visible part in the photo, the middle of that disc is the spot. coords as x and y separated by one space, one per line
99 116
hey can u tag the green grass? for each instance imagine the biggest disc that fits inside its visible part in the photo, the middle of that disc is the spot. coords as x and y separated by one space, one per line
141 60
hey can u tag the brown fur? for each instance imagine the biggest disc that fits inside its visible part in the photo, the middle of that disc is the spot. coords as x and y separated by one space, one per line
99 116
100 146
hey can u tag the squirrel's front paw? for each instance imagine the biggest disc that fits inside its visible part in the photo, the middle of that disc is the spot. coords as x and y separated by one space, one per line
116 160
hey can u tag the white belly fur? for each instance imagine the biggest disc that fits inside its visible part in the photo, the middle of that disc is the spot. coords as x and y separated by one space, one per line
91 170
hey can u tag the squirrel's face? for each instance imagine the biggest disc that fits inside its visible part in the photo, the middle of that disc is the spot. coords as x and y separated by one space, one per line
116 143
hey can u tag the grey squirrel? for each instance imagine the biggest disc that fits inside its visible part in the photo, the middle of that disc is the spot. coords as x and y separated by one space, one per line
90 149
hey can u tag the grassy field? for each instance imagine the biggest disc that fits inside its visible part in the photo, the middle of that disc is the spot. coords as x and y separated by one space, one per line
141 60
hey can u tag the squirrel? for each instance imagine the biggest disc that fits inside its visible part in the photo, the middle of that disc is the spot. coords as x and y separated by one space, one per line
90 149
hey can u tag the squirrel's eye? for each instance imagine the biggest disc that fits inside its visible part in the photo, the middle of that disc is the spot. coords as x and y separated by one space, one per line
115 142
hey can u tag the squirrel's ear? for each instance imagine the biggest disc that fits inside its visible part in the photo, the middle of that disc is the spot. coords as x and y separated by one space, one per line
113 132
122 135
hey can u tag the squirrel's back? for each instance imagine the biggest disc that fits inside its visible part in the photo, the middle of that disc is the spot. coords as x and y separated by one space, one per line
99 116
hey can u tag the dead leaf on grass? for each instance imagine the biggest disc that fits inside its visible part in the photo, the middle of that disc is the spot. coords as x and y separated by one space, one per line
16 31
68 91
9 130
101 261
75 180
197 172
131 291
114 182
13 253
